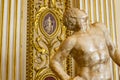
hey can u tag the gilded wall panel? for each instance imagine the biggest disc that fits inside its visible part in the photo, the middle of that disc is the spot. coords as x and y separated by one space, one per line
45 32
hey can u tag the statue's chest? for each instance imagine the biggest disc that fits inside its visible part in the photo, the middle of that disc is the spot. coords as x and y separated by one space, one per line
90 43
90 50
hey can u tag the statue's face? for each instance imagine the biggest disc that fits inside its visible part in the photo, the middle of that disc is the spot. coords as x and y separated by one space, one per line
81 22
81 17
77 23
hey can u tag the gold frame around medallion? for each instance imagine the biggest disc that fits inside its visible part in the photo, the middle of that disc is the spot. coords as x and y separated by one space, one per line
40 16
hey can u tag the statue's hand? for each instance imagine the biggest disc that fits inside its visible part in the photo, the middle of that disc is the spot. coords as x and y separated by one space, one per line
77 78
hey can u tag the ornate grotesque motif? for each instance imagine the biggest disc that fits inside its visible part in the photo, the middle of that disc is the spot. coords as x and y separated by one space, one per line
89 45
53 3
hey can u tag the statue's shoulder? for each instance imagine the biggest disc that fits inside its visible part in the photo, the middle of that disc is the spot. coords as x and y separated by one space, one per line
68 43
100 26
70 40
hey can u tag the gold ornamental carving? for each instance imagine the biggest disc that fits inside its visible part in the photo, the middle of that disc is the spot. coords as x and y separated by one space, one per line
45 32
49 32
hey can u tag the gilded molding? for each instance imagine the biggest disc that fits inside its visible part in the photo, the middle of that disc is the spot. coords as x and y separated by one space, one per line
30 26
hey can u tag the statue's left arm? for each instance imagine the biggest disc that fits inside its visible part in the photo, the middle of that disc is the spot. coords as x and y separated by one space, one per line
113 51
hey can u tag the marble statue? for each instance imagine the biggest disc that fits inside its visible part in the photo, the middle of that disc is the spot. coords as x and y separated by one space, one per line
90 45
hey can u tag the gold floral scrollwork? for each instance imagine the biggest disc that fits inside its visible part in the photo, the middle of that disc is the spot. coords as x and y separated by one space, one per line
41 56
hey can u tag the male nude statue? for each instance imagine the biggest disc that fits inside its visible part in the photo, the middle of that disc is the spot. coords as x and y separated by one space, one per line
89 45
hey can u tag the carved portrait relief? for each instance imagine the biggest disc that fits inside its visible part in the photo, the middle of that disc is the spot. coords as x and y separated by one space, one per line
49 23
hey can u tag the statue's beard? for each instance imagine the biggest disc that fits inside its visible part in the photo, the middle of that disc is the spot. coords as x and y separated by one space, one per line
83 27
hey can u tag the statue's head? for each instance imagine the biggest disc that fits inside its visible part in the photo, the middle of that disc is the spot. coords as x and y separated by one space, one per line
73 17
